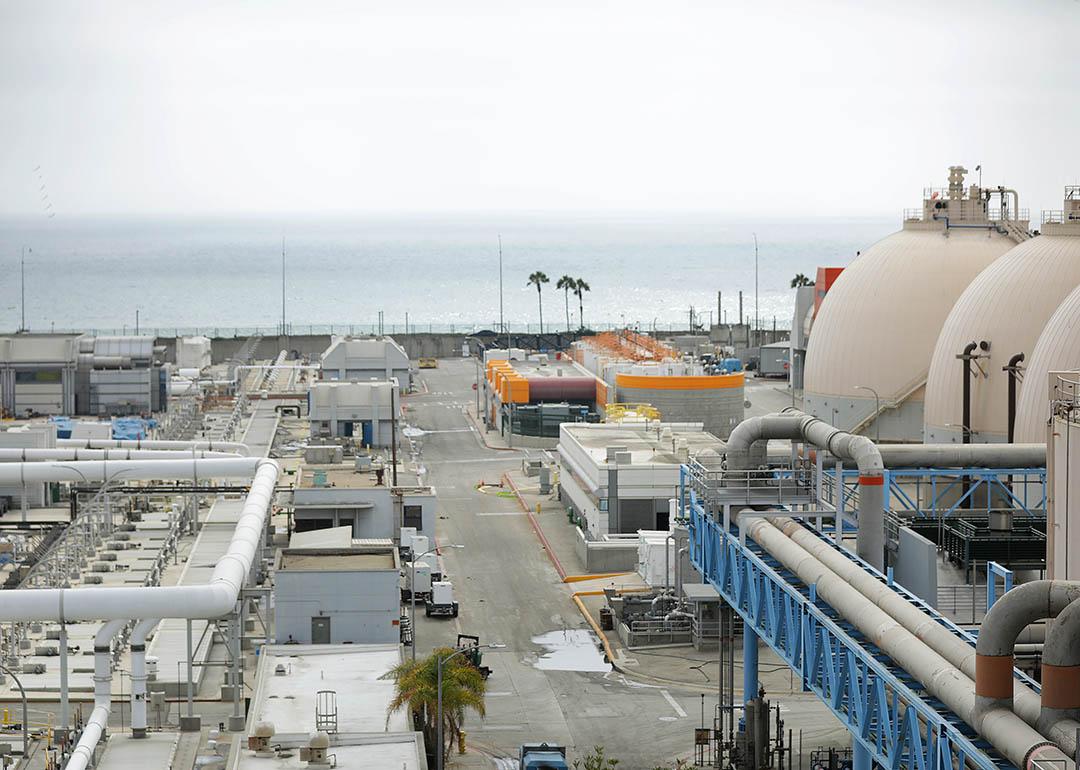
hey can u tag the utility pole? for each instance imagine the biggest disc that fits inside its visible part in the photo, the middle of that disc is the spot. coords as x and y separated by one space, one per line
502 323
757 321
136 322
22 271
283 286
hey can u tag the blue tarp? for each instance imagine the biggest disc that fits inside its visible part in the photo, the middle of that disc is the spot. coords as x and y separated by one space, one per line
63 426
132 428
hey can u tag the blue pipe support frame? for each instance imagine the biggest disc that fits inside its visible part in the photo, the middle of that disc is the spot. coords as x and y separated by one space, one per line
885 716
860 756
750 664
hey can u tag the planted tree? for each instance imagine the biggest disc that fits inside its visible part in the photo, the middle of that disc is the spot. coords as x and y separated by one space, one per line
800 280
567 284
416 689
580 287
539 278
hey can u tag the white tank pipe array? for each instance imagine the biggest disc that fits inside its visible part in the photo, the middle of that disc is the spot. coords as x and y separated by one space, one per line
1026 702
233 447
138 675
75 453
212 600
104 471
1014 738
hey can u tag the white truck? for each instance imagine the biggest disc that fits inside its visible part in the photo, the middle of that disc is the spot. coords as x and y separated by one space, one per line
440 602
422 576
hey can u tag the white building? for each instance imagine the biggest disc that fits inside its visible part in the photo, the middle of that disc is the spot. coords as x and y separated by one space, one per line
373 358
342 686
362 410
337 596
618 478
339 495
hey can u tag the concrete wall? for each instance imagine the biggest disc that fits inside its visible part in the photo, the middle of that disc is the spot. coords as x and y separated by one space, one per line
420 344
600 556
362 605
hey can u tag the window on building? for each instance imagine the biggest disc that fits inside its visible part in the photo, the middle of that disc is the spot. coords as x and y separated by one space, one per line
414 516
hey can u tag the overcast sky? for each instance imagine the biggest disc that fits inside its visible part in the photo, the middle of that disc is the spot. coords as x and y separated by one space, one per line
763 108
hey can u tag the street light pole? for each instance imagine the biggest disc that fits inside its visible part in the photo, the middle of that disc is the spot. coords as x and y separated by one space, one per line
438 688
412 589
22 286
22 692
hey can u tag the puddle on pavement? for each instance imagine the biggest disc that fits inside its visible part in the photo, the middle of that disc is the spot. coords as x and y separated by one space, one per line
572 649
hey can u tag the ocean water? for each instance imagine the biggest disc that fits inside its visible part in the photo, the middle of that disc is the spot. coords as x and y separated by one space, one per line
442 271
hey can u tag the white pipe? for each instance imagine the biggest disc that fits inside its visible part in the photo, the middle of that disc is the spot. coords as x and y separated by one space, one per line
128 470
1014 738
138 675
75 453
1026 702
212 600
102 443
83 754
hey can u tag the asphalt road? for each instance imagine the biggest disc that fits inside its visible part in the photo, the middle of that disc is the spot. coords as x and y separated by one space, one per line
510 594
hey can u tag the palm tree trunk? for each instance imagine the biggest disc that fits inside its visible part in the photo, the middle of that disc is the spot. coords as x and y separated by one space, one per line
540 302
581 311
566 295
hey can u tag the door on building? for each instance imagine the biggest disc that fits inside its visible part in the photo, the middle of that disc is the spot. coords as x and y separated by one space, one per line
320 630
366 432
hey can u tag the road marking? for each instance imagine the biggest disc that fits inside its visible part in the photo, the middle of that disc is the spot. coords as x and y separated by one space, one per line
498 694
493 728
674 703
501 513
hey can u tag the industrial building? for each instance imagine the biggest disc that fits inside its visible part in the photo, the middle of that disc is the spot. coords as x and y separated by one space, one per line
337 595
363 411
360 496
67 374
358 359
637 369
618 479
903 287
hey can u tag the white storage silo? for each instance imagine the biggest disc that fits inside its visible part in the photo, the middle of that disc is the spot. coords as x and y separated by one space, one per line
874 335
1004 311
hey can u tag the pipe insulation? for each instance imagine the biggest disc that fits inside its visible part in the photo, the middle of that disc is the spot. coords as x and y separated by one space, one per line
105 471
1025 701
1009 734
83 754
1061 670
138 675
76 453
212 600
233 447
746 448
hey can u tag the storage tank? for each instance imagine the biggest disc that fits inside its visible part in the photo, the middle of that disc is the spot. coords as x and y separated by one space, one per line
1058 347
715 400
874 335
1004 311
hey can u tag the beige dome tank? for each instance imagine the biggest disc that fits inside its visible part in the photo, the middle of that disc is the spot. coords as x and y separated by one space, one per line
1007 307
875 331
1058 348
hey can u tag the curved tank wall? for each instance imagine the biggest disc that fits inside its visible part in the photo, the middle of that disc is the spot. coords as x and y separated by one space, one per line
1058 350
715 400
1008 306
878 324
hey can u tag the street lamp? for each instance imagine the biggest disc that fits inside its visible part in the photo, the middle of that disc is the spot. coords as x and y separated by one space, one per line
412 589
22 692
877 410
438 688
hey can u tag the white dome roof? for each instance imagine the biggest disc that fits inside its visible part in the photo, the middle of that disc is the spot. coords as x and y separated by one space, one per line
1058 350
1007 305
879 322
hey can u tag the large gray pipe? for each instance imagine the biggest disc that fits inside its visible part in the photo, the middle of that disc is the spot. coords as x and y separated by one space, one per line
746 450
1023 700
1016 740
963 455
1061 671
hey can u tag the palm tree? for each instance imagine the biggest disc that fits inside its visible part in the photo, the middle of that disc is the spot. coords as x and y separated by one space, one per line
800 280
567 284
416 688
579 288
539 278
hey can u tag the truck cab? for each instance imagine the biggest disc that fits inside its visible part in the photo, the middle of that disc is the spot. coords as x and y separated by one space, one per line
542 756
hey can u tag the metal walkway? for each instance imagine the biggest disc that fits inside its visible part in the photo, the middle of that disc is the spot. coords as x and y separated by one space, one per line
888 712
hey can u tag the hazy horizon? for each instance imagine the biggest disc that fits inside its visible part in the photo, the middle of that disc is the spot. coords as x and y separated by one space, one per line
779 110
